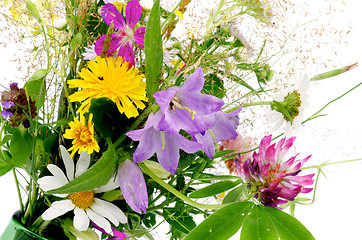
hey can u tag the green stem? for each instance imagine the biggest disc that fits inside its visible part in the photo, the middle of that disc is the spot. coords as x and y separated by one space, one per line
18 190
177 193
315 115
257 103
325 164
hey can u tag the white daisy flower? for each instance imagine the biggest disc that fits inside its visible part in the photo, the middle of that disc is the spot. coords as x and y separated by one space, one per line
90 53
86 207
295 102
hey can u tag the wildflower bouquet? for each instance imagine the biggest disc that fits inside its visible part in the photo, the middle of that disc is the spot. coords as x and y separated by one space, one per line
126 119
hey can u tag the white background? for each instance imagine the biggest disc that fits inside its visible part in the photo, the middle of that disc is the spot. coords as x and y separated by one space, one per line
336 213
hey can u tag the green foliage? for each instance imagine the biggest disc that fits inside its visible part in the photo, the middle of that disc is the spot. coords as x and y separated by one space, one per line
96 176
214 189
21 146
214 86
107 118
223 224
256 222
179 219
153 50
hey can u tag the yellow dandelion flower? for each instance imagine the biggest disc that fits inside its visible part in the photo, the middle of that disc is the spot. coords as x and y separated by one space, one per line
83 136
111 78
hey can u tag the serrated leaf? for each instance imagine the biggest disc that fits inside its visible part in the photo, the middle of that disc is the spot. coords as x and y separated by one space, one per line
223 224
214 189
272 224
98 175
179 220
153 50
21 146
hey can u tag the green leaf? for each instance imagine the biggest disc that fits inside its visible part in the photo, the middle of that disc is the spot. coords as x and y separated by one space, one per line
223 224
214 86
35 87
153 50
76 41
179 220
107 119
235 194
111 195
5 165
33 11
214 189
98 175
21 146
272 224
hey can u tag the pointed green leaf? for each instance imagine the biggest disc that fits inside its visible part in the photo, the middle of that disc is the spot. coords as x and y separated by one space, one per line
214 189
98 175
257 225
272 224
223 224
235 195
5 164
21 146
153 50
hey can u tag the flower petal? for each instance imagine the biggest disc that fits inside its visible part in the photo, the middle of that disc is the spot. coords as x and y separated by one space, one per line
58 209
111 15
99 220
113 210
81 220
133 13
68 162
82 164
133 186
139 37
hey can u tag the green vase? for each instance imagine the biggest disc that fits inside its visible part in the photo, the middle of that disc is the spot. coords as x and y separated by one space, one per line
16 231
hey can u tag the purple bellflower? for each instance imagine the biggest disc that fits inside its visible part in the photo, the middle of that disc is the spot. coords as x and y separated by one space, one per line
272 180
125 34
224 128
133 186
166 146
186 107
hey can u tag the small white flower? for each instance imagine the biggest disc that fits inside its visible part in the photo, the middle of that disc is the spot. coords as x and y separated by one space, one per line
146 5
85 206
90 53
298 93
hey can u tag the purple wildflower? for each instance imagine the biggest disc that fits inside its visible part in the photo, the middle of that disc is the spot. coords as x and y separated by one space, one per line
6 114
272 180
8 104
116 235
224 128
166 146
133 186
125 34
186 107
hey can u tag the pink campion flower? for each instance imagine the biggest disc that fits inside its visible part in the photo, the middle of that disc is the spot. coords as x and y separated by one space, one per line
126 34
272 180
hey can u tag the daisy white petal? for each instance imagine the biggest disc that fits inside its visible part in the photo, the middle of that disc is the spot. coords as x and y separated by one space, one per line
58 209
81 220
68 162
112 184
82 164
58 174
104 212
99 220
113 209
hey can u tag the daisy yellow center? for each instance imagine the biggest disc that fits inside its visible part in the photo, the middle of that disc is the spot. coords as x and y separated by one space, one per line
83 199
